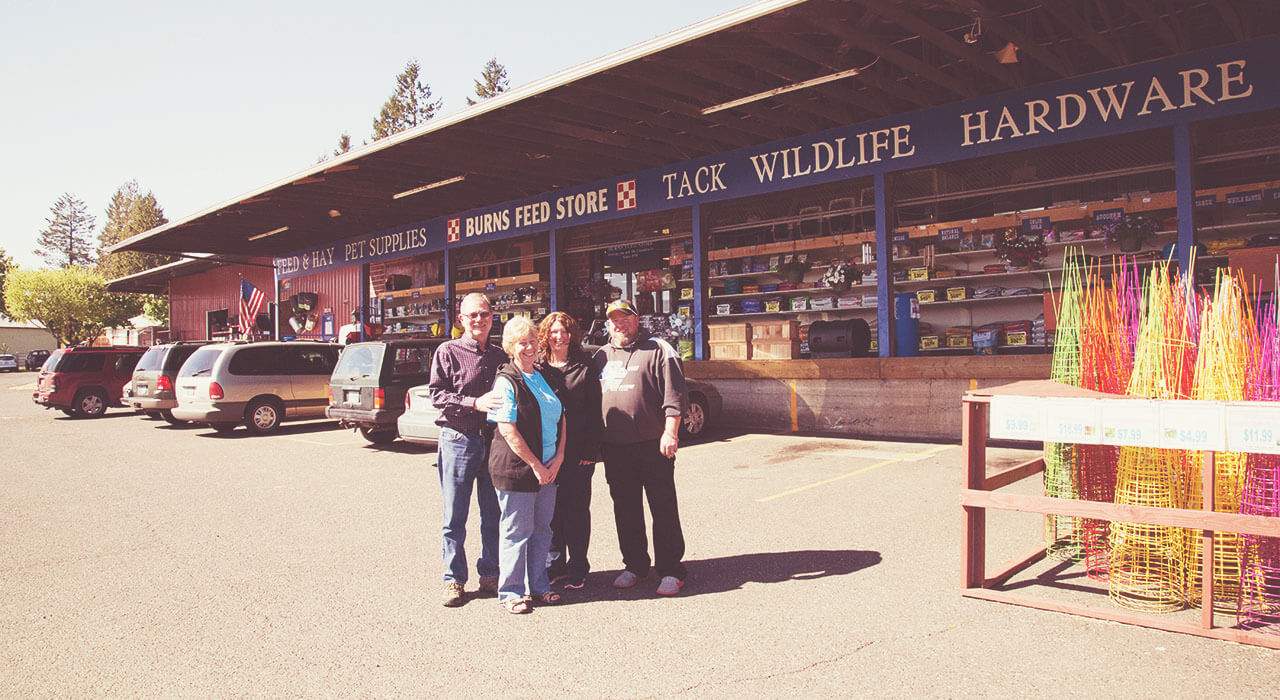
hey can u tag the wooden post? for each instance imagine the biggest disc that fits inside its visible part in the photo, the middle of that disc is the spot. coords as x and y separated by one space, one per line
1206 541
973 437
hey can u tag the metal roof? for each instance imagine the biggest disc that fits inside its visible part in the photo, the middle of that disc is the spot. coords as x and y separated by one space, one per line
156 280
644 106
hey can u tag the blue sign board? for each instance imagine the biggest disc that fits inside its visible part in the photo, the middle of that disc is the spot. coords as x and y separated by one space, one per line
1108 216
1207 84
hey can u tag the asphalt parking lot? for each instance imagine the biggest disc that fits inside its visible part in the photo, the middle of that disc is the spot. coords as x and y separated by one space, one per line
141 559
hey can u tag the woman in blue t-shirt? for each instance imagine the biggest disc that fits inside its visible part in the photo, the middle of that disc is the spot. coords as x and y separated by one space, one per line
524 459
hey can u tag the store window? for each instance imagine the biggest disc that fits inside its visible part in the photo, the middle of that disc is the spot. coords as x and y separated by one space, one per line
979 245
647 259
407 298
514 274
788 268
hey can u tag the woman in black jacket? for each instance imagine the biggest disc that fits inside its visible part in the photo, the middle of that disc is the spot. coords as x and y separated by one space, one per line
579 388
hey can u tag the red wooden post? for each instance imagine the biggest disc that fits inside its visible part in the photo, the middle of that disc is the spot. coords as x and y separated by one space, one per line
973 441
1206 542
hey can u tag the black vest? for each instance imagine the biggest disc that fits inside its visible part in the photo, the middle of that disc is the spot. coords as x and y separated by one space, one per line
508 471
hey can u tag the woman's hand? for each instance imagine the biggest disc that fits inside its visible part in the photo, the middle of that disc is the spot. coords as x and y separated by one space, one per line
489 401
554 467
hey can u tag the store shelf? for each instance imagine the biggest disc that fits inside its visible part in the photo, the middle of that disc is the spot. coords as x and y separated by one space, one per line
802 245
433 290
437 314
964 302
522 305
792 219
480 285
784 292
860 309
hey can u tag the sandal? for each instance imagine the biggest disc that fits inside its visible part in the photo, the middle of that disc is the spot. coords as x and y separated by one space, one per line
515 606
548 598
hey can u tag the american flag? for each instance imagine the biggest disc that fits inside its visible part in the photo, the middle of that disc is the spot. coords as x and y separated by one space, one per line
251 299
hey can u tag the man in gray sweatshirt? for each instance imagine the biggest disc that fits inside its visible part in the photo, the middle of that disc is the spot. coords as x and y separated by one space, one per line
643 397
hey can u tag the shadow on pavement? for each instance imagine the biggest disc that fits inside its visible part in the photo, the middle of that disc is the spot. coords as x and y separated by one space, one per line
723 574
402 447
286 429
108 414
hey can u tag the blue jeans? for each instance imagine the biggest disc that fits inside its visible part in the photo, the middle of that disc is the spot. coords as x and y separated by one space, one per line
464 463
526 539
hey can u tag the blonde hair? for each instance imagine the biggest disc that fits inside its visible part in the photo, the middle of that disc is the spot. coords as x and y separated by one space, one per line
514 330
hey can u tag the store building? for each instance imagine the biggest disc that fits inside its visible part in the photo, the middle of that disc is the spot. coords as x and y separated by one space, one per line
873 198
204 295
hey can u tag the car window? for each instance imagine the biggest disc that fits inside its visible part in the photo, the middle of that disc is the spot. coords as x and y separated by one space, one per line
359 361
152 359
200 364
412 360
82 362
125 363
177 355
51 362
312 360
263 359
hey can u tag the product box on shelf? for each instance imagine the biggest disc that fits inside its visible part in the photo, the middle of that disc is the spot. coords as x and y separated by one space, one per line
760 265
775 349
750 289
788 329
774 262
929 342
799 303
686 293
957 293
959 337
724 309
752 306
733 286
917 274
773 306
943 273
729 332
870 301
849 301
822 303
1015 337
769 288
730 350
927 296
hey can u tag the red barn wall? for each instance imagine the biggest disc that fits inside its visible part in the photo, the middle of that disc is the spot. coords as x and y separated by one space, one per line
338 290
193 295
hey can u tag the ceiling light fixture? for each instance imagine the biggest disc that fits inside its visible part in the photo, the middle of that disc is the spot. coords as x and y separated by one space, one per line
787 88
1009 54
272 232
334 213
429 186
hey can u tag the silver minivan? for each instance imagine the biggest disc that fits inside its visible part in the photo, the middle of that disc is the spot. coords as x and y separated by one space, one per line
258 384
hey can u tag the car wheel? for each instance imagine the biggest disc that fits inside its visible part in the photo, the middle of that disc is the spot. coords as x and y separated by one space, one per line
694 423
263 416
379 437
90 403
168 418
67 411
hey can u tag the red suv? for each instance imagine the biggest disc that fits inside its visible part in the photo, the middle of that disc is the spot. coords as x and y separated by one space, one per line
85 381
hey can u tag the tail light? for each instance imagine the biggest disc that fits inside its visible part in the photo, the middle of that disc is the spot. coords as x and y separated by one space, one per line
215 391
164 383
408 400
53 383
328 394
379 397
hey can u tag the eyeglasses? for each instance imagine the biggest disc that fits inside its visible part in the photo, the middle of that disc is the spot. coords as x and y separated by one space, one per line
478 315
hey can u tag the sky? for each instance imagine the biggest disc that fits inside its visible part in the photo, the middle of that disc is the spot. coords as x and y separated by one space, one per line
201 102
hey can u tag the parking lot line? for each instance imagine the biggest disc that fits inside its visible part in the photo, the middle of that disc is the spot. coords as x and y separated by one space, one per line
909 457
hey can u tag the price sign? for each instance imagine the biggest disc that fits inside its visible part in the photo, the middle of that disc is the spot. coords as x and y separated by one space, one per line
1073 420
1016 418
951 233
1036 224
1253 427
1192 425
1134 423
1240 199
1108 216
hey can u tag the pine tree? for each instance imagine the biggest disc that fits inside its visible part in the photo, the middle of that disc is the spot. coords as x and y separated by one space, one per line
67 239
129 213
344 144
493 80
409 106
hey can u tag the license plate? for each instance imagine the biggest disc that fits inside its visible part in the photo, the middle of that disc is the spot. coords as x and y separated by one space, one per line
188 391
351 396
141 391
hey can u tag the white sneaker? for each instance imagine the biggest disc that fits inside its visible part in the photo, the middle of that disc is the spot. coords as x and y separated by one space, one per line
626 579
669 585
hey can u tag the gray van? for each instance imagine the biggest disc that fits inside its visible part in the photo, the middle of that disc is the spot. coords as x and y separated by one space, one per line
155 376
258 384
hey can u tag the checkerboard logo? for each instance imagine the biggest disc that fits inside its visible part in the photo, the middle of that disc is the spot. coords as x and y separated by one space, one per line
627 195
453 230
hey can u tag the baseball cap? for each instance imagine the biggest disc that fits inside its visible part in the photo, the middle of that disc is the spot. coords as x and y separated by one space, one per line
620 305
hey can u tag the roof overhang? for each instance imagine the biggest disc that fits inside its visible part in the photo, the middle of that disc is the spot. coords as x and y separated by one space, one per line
156 280
650 104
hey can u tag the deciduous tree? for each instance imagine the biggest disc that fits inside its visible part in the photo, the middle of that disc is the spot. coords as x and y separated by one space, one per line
67 238
6 264
72 302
